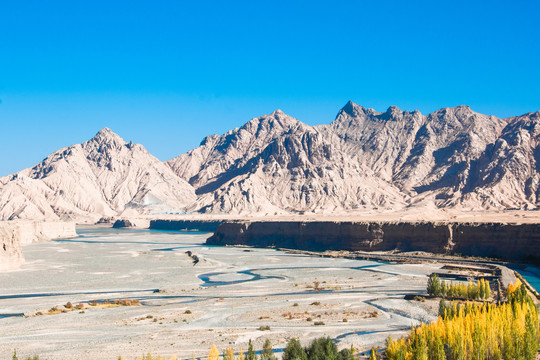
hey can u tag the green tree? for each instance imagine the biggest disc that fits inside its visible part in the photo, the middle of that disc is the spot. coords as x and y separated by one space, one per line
530 338
458 352
345 354
322 349
294 351
267 352
418 345
481 289
442 308
440 353
251 353
434 285
373 354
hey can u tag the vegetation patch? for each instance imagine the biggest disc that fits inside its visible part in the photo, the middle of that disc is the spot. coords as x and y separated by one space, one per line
475 331
472 291
91 304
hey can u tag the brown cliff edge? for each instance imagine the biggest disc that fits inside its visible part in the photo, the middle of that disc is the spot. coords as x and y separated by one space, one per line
494 240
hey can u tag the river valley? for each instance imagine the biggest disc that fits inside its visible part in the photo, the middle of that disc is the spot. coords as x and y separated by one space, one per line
188 301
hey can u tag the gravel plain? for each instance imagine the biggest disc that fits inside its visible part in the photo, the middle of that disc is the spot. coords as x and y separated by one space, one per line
231 295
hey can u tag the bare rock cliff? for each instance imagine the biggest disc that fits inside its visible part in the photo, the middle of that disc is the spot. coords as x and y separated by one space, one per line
15 234
507 241
11 256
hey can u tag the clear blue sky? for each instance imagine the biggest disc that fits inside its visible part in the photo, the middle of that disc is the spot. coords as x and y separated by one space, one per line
168 73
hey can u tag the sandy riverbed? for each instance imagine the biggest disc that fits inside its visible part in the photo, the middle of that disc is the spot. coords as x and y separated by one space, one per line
230 294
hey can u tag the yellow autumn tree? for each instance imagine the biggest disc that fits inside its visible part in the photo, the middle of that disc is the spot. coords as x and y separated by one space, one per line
229 354
214 353
241 355
506 331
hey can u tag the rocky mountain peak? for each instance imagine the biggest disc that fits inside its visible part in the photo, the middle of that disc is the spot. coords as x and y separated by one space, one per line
352 109
109 137
277 121
459 110
392 113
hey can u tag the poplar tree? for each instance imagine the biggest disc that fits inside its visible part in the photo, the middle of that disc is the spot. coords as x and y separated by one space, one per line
229 354
251 353
373 354
267 352
214 353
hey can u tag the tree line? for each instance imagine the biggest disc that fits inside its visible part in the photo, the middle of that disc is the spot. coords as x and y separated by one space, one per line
471 291
508 331
319 349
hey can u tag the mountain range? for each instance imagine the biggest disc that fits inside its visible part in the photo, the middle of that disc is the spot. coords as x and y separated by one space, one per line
277 165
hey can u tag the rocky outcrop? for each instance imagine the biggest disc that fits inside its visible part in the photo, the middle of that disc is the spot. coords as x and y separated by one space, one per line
123 223
507 241
185 225
14 234
106 220
11 256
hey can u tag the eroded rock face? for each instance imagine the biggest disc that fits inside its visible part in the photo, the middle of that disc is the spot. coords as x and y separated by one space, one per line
507 241
15 234
218 154
38 231
11 256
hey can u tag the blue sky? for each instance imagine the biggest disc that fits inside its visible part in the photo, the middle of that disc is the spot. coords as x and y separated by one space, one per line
168 73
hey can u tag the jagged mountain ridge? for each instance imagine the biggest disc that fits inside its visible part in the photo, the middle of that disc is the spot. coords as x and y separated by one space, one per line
390 160
275 164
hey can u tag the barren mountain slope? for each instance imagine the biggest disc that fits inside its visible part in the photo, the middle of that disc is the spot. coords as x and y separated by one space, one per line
299 172
431 155
275 164
402 146
380 141
509 170
217 154
446 149
102 176
362 160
